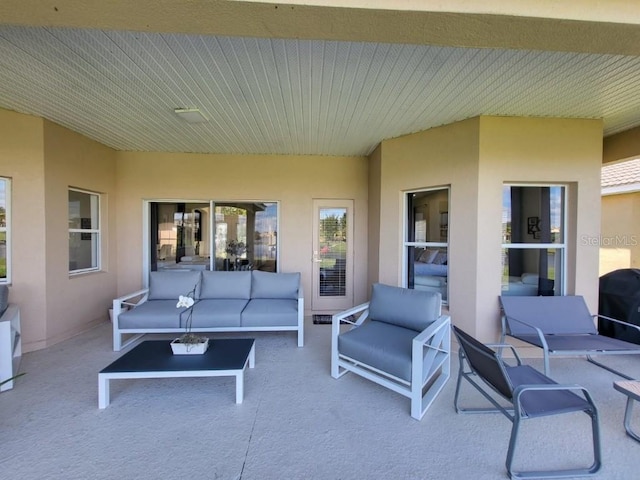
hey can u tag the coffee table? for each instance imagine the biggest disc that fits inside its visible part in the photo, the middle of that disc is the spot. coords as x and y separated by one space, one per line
154 359
631 388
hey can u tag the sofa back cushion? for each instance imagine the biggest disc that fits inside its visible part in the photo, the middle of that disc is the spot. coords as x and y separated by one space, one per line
414 309
226 285
274 285
170 285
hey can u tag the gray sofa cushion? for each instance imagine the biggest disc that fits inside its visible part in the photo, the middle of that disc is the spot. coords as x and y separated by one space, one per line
414 309
269 312
380 345
152 314
274 285
218 313
170 285
221 285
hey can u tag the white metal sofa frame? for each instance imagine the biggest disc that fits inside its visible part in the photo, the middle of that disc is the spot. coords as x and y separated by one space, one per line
561 326
532 394
432 367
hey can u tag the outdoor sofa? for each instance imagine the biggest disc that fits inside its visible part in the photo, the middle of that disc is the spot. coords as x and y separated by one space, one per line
240 301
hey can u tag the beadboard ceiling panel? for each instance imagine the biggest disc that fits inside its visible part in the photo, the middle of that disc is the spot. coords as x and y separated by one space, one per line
276 96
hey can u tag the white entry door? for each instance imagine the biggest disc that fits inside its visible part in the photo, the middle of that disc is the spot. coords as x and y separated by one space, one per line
332 255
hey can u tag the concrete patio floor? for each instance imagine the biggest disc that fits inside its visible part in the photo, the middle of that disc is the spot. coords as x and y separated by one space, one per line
296 422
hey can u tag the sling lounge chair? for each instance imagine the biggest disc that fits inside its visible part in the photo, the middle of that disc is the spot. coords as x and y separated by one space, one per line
561 326
532 394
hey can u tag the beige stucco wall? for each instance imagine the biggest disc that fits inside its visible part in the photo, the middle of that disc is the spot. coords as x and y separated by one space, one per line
439 157
620 238
43 159
476 157
22 160
546 151
294 181
72 160
375 179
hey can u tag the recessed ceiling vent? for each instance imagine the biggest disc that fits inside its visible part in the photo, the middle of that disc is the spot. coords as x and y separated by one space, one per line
191 115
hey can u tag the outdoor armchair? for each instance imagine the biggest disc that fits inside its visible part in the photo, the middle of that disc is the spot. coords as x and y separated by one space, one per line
561 326
399 339
532 394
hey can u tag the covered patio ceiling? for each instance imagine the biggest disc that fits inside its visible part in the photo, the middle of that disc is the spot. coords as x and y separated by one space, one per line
117 75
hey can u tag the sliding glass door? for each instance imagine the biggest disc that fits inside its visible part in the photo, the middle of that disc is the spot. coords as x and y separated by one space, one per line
231 236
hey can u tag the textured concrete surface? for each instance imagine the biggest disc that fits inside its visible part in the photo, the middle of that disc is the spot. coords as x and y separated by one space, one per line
296 422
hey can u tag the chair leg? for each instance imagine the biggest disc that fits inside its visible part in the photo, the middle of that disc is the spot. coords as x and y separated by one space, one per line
585 472
628 413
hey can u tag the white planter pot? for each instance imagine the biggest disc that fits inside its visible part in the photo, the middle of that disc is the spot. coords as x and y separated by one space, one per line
189 348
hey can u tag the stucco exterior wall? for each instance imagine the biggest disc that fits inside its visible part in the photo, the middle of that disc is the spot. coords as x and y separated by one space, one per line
72 160
294 181
475 158
22 160
439 157
43 159
620 238
536 150
375 164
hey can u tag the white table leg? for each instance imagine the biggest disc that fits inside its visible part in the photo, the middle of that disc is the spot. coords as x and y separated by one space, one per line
103 391
252 356
240 386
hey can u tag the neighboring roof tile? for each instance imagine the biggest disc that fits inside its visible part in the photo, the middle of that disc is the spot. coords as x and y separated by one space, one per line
623 173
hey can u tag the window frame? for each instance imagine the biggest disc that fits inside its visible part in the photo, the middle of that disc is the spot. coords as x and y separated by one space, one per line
561 247
7 230
96 231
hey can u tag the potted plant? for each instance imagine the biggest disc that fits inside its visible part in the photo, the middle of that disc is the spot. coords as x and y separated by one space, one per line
188 343
235 250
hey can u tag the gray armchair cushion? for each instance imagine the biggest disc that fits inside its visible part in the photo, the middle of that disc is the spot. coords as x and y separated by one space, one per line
170 285
274 285
226 285
380 345
414 309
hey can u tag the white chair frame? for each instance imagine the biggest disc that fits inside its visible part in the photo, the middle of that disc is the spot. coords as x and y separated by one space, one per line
436 339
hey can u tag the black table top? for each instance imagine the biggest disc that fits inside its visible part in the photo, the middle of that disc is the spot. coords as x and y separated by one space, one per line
156 355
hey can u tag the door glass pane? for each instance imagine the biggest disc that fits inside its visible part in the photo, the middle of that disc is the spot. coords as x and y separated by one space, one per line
427 241
332 253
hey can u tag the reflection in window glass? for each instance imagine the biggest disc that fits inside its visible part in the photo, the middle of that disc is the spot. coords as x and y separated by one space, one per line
427 241
219 236
84 231
533 240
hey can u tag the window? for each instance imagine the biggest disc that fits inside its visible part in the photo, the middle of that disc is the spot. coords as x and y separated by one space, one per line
84 231
5 237
533 240
427 239
213 236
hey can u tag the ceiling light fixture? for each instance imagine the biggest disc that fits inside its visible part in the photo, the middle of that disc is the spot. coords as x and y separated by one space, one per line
191 115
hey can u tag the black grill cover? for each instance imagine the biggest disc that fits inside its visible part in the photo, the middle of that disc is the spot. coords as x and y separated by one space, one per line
619 298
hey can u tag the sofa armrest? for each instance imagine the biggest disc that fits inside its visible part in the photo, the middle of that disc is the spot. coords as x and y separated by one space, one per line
127 301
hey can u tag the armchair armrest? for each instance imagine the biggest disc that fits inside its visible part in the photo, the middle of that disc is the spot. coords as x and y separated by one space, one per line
621 322
498 347
533 327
